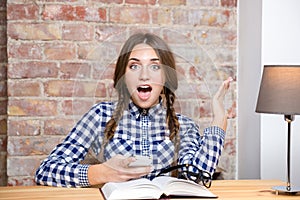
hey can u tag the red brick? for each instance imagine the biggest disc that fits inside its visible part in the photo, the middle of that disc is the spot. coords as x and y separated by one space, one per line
76 107
58 126
31 107
20 181
3 106
197 17
59 12
32 69
3 173
3 13
60 51
3 54
129 15
77 32
22 166
24 88
3 89
189 108
66 88
3 38
109 2
102 72
25 50
29 146
219 37
172 2
187 90
94 14
22 11
216 18
161 16
105 52
223 54
73 13
208 3
63 88
100 90
177 37
3 72
141 2
3 126
109 33
37 31
229 3
24 127
180 16
75 70
3 143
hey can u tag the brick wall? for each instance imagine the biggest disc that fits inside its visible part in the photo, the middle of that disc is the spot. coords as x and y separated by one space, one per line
3 94
61 57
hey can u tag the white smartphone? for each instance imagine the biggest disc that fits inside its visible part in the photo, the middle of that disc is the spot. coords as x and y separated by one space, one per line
141 161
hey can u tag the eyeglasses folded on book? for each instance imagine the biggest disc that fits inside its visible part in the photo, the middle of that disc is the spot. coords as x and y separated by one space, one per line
189 172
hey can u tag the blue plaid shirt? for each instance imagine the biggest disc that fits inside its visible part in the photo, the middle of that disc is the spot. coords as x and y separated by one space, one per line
136 134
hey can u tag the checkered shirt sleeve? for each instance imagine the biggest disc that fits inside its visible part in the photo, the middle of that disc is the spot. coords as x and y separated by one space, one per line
203 151
62 167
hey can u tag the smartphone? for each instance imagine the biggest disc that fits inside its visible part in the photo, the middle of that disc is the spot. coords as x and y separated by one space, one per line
141 161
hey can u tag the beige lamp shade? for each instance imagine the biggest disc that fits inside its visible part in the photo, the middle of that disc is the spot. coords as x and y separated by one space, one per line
279 90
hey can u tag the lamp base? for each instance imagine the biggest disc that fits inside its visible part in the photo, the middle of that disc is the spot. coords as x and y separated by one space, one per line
283 189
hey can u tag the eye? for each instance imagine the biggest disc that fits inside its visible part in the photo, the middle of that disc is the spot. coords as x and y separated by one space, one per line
155 67
134 66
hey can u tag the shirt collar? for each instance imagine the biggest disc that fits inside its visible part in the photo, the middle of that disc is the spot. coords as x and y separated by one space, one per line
137 111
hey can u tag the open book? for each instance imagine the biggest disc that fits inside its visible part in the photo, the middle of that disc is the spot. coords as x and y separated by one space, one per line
159 187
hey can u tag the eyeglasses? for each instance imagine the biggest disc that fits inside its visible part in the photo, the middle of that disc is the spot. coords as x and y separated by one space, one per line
190 172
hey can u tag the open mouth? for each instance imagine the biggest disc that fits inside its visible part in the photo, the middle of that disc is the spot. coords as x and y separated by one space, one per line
144 88
144 91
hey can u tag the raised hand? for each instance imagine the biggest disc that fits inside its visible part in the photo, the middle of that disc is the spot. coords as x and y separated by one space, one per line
219 113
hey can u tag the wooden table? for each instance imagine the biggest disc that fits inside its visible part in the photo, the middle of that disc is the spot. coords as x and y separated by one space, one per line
225 189
249 189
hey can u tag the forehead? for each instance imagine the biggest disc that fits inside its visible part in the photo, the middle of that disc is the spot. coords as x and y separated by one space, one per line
143 50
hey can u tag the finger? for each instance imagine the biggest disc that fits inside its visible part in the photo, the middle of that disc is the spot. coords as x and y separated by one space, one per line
127 161
138 170
227 82
132 173
126 177
223 88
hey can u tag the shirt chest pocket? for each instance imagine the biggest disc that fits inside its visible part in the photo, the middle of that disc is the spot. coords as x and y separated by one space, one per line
163 153
119 145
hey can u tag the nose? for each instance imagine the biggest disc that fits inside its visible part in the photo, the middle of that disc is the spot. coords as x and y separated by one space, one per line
144 73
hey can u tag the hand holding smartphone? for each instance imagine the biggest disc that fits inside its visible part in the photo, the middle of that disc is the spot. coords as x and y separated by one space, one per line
141 161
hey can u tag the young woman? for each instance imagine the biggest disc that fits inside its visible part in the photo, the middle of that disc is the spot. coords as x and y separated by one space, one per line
142 122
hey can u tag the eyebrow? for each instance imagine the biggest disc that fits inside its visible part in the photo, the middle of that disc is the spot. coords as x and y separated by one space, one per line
152 59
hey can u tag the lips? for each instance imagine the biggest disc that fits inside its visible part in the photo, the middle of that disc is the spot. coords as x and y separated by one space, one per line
144 92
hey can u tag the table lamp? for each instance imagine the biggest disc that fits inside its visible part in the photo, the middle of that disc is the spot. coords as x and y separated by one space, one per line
280 94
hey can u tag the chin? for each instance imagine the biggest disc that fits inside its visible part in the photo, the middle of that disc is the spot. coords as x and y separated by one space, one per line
144 104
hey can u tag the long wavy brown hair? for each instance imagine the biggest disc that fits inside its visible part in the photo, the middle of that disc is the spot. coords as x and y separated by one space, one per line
168 63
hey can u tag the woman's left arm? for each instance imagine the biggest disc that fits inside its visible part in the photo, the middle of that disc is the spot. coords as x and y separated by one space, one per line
204 151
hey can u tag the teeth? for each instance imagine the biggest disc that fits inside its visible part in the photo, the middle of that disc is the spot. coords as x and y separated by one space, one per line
144 88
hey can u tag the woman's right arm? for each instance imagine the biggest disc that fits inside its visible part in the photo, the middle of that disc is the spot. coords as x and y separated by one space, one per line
62 167
115 169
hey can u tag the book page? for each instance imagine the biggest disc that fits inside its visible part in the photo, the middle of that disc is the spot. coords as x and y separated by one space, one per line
180 187
134 189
